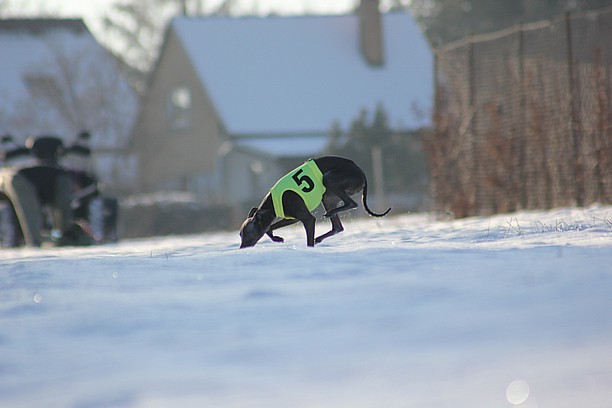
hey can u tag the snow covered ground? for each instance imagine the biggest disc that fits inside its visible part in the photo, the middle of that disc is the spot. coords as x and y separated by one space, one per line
399 312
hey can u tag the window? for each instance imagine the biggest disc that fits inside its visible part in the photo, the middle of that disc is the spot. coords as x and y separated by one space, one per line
178 108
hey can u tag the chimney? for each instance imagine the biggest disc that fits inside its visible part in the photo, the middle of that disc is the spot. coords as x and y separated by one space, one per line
370 32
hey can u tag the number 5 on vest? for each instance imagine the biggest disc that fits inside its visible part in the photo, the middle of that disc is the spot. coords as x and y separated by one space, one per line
304 179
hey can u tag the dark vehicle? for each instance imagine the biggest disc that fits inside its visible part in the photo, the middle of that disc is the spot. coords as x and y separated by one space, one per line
94 212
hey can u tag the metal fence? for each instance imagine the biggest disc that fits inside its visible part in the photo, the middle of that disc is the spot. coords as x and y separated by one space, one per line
523 118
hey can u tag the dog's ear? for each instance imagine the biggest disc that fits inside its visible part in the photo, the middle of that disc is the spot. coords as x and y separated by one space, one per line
263 213
252 212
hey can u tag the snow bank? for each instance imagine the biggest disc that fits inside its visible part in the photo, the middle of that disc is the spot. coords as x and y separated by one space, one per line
398 312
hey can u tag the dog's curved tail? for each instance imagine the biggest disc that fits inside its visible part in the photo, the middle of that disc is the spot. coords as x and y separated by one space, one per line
365 204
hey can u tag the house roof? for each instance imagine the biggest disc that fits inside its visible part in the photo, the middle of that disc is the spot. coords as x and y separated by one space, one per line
60 53
26 45
301 74
295 146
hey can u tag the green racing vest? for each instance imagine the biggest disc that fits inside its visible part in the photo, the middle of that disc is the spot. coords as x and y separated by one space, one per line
306 181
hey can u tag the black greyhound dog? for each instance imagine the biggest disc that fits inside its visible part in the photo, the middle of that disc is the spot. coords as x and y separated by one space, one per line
331 180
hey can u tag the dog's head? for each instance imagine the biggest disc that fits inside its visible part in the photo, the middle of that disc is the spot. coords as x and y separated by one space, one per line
255 226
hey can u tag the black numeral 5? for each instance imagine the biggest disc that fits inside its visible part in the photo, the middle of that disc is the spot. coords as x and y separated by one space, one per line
301 180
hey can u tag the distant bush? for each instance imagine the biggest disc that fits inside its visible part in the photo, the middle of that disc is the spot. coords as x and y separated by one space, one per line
169 214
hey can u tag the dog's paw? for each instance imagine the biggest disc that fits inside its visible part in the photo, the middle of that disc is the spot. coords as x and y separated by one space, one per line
276 238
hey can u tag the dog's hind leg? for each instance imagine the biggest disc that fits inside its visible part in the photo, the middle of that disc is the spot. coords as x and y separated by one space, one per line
336 228
331 202
348 203
342 185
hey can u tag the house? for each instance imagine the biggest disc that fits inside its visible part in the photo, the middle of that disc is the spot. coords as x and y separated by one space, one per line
56 79
234 103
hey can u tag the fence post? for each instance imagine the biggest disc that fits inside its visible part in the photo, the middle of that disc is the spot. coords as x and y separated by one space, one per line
434 170
522 182
473 188
574 130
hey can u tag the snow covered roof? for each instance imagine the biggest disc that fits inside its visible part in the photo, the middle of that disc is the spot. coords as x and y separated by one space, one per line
25 48
302 74
54 78
296 146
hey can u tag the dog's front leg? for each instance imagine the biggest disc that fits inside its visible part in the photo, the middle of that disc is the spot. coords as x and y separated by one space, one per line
309 226
296 209
280 224
275 238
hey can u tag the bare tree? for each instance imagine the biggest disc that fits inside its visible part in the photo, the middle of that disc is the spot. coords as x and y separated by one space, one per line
136 29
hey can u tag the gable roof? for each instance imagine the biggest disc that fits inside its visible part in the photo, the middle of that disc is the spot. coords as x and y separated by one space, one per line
301 74
61 53
27 45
